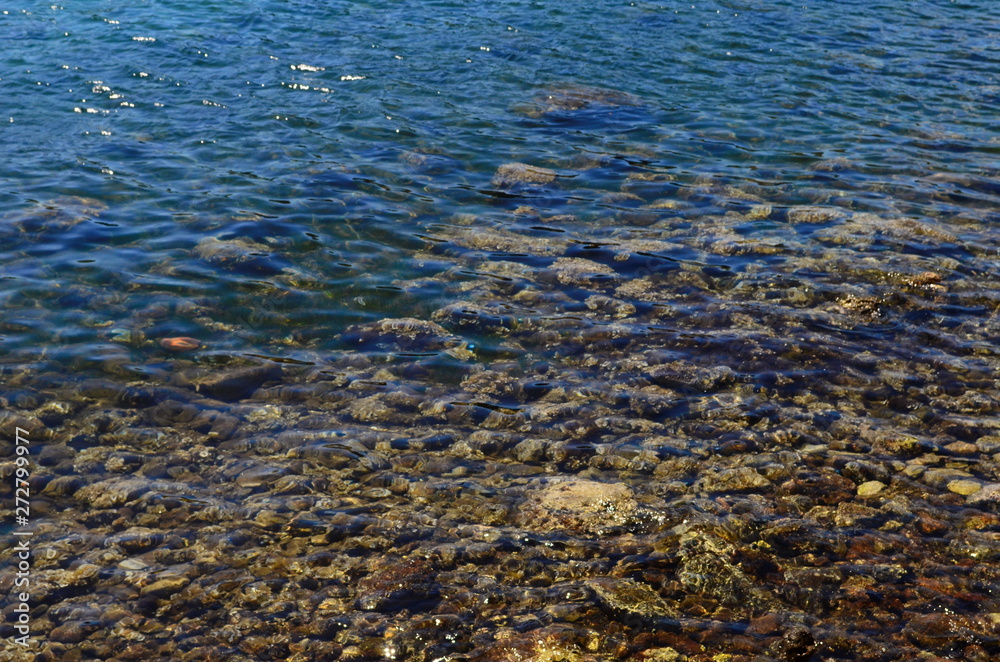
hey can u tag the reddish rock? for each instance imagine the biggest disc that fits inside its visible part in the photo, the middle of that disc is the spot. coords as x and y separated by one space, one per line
181 344
395 585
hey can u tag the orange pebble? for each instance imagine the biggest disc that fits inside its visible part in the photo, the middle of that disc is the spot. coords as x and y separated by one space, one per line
179 344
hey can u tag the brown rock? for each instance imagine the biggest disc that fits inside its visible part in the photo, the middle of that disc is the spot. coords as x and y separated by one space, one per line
238 384
965 487
963 448
625 597
930 526
165 587
742 479
765 624
937 630
74 631
395 585
578 505
827 488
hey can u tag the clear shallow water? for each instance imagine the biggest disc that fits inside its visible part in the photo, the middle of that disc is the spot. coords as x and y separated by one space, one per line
746 229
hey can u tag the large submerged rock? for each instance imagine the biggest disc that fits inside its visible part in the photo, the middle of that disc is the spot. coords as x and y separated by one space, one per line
521 175
406 334
573 98
576 504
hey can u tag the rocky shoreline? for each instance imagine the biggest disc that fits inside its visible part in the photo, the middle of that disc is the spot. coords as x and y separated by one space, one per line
650 486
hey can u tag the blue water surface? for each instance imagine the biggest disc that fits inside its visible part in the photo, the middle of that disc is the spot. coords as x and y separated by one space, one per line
163 124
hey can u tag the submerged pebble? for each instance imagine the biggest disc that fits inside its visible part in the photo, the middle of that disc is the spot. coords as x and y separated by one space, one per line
179 344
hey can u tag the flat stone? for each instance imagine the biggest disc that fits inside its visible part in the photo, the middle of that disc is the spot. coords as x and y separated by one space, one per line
74 631
870 488
963 448
165 587
965 487
685 377
741 479
263 474
238 384
511 175
626 596
580 271
814 214
406 333
577 504
935 629
113 492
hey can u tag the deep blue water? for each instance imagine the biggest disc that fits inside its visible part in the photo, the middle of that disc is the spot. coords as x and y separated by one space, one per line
291 122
